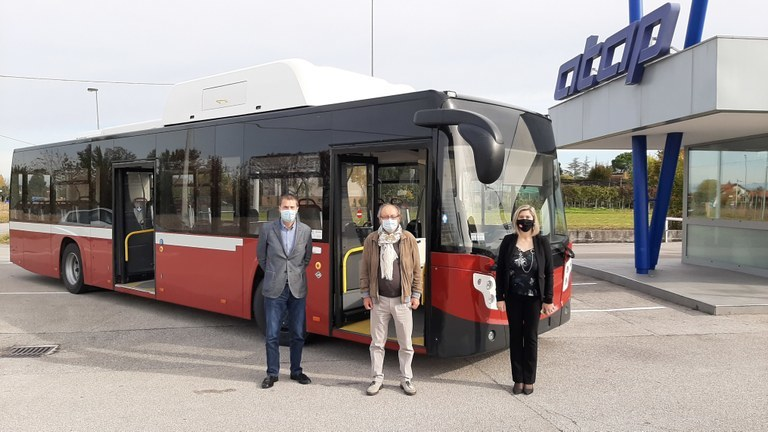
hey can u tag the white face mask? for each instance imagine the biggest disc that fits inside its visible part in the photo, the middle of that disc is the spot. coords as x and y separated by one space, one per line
288 215
390 225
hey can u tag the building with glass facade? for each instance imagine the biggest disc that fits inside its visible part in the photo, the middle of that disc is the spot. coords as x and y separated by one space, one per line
715 94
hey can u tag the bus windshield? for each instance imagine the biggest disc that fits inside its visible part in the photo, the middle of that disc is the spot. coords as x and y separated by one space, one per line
475 216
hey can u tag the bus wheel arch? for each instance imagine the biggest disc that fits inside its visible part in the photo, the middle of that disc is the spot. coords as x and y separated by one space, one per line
71 268
257 302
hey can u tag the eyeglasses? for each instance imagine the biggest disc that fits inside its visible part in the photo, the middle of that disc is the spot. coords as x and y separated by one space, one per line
389 217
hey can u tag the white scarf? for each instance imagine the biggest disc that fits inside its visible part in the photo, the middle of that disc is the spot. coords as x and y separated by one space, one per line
387 252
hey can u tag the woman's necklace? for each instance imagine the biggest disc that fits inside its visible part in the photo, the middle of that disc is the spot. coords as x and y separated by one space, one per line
521 260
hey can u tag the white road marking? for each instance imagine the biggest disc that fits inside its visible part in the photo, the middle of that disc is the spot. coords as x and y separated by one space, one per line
621 309
584 283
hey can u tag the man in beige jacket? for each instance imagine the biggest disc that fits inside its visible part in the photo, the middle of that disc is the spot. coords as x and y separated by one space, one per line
390 283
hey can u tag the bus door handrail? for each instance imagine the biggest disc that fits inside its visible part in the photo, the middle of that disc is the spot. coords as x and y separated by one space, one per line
132 234
344 267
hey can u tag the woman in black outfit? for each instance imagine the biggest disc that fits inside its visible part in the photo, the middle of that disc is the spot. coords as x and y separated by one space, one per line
524 291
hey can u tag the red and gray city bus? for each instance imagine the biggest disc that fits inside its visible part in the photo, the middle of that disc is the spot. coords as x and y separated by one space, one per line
172 210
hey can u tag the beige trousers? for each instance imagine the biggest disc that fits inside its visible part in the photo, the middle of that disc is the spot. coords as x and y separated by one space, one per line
383 309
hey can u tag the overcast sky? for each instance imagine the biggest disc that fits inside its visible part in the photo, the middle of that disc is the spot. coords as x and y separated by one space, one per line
506 50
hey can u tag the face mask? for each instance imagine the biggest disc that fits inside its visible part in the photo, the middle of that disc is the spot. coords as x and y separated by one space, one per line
525 225
390 225
288 215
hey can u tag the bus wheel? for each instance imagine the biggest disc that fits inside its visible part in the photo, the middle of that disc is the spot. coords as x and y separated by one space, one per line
72 269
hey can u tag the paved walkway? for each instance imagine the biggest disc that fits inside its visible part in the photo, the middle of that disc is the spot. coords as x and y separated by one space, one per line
710 290
4 228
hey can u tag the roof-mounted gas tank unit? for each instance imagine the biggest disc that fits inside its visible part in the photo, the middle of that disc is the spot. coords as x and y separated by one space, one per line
269 87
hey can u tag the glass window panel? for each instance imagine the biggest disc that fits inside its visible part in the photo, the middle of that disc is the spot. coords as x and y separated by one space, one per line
726 245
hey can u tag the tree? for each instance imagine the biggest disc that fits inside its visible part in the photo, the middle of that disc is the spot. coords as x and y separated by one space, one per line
600 173
622 163
584 171
574 168
3 189
654 171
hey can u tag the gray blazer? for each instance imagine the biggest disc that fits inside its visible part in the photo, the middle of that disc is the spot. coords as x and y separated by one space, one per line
279 267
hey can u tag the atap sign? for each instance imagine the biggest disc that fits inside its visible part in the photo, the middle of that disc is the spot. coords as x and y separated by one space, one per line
640 47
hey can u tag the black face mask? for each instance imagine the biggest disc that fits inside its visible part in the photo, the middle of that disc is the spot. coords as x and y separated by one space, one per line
525 225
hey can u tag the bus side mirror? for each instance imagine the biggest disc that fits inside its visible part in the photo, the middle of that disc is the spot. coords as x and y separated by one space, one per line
480 132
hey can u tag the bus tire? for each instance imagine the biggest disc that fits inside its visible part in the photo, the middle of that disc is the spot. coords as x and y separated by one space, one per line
261 318
72 269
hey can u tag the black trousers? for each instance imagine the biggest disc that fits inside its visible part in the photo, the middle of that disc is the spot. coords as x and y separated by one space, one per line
523 315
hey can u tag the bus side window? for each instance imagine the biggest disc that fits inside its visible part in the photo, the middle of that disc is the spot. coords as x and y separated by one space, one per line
310 213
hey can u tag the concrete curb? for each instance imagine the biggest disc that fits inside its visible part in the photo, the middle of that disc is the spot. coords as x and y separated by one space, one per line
614 236
648 289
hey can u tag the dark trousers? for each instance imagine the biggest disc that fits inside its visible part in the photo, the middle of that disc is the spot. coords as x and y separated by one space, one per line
275 309
523 315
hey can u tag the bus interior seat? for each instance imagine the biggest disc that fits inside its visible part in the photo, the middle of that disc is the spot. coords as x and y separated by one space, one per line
312 215
414 227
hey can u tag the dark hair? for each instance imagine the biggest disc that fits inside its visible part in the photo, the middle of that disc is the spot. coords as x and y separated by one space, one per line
289 197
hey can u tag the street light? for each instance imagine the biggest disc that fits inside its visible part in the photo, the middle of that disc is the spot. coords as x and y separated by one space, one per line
96 91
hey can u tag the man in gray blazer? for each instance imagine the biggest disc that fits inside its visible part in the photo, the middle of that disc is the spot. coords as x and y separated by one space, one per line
284 251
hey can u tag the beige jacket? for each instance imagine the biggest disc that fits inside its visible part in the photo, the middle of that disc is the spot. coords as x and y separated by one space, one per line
410 270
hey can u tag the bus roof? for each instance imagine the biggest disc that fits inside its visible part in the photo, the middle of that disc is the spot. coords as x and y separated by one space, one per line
269 87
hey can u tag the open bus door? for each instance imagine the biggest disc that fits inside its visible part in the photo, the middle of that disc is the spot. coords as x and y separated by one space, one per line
356 209
133 226
396 175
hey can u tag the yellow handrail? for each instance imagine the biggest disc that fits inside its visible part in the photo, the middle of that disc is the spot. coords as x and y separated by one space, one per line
131 234
344 266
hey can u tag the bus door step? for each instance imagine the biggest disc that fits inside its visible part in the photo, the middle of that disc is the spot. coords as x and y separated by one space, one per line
146 286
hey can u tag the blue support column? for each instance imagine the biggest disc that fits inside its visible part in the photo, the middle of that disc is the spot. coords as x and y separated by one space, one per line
664 193
696 22
640 185
635 10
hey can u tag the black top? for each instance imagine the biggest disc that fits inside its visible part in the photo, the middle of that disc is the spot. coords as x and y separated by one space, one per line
391 288
542 254
524 271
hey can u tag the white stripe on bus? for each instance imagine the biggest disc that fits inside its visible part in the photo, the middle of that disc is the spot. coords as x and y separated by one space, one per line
68 230
171 239
197 241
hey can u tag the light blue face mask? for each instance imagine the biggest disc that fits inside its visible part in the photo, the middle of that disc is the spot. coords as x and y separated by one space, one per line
288 215
390 225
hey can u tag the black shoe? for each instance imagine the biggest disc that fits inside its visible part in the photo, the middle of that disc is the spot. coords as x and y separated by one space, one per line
528 389
301 378
517 388
269 381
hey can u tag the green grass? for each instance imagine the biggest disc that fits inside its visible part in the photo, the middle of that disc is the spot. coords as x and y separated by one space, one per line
599 219
5 239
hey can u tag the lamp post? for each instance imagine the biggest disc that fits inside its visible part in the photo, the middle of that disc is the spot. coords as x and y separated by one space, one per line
96 92
371 37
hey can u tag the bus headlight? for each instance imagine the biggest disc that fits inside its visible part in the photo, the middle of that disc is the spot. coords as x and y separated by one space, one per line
492 335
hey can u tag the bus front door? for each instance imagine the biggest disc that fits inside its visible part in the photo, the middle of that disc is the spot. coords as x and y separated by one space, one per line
356 209
133 227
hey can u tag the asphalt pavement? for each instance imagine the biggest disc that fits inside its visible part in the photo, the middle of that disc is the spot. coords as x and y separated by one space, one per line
626 361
